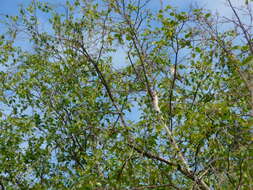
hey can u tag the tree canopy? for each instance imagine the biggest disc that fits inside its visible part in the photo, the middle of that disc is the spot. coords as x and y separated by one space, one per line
173 112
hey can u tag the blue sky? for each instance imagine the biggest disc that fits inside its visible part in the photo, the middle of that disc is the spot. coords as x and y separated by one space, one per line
11 7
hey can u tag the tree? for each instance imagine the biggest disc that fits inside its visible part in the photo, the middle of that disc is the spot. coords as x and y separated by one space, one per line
65 107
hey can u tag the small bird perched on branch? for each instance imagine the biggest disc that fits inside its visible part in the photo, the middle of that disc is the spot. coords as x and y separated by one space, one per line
155 101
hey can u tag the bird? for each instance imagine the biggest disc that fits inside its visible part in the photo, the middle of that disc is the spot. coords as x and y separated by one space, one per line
155 101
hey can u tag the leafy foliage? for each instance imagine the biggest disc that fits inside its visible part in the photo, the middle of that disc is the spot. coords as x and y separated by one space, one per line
177 114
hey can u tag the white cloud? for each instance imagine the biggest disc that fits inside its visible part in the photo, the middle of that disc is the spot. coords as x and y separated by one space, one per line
216 6
220 6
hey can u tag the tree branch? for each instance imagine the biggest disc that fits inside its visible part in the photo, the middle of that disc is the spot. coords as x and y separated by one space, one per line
155 186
